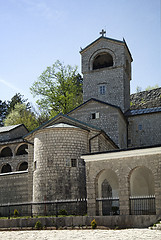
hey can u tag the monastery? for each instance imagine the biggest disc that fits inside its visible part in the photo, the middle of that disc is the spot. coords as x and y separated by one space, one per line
104 156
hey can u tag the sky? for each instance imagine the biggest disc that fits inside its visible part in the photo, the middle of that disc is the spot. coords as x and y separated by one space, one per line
35 33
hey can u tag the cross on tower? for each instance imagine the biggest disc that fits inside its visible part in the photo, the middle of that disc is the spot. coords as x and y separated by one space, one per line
103 32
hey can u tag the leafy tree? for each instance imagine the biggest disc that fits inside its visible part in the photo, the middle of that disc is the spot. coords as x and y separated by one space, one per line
20 114
3 112
59 88
17 98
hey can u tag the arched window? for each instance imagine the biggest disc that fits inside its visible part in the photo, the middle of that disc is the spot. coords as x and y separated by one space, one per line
22 149
6 168
23 166
102 60
6 152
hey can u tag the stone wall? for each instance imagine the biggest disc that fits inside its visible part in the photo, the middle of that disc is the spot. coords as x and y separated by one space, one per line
144 130
123 165
110 119
59 171
13 189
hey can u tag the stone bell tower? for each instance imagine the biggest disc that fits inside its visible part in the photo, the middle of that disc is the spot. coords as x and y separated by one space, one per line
106 68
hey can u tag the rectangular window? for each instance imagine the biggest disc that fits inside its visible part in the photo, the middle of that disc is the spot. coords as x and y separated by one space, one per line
34 165
140 127
95 115
102 90
73 162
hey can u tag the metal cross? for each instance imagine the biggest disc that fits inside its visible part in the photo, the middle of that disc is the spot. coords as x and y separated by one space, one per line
103 32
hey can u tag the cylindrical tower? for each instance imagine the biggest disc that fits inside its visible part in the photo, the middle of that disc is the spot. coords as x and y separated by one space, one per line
59 172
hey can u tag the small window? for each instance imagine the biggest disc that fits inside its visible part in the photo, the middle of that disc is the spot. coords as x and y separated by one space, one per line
6 168
95 115
73 162
102 90
23 166
6 152
140 127
35 166
22 150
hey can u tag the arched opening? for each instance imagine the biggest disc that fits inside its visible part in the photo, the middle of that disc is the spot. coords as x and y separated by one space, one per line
23 166
142 191
6 168
107 193
6 152
102 60
141 182
22 149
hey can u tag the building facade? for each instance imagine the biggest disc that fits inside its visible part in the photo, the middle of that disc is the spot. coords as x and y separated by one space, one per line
103 150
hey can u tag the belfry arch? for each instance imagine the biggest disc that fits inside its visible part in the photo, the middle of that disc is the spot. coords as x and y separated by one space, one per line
102 60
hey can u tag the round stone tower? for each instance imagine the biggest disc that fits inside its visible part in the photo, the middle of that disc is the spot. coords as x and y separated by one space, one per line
59 172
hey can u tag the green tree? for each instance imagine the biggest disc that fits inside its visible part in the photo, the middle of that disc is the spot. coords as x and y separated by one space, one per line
3 112
17 98
59 88
20 114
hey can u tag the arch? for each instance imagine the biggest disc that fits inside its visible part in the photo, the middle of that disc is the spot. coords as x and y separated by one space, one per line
107 192
22 149
100 52
6 168
6 152
22 166
111 177
141 182
102 60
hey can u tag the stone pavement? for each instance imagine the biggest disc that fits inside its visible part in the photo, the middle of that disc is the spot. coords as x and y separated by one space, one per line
127 234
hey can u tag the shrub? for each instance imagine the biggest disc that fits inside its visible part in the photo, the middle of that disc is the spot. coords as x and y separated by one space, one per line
93 224
63 212
38 225
16 213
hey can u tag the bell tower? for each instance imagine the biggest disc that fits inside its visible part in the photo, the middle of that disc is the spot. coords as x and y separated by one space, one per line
106 68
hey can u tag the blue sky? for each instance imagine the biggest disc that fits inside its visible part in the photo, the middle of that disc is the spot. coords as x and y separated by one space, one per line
35 33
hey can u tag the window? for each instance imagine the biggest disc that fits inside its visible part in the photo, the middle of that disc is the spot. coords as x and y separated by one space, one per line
73 162
22 150
102 90
6 168
6 152
35 166
95 115
23 166
140 127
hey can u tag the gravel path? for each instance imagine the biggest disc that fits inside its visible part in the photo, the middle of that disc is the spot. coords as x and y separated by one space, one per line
129 234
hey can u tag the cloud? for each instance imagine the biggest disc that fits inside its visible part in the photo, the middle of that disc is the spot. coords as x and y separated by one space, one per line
10 85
